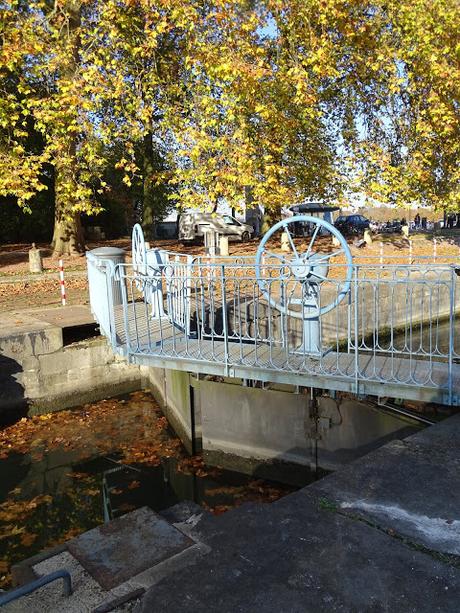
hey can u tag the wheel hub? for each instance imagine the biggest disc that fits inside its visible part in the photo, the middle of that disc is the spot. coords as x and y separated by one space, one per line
301 268
308 268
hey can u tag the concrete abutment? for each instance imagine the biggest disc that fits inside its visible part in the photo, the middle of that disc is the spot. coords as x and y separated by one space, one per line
240 425
246 428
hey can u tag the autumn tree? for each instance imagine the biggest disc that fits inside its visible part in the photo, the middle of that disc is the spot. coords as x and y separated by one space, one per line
322 98
244 128
46 44
386 78
139 73
276 99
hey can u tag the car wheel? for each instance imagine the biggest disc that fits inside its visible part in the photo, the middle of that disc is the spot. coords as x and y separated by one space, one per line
245 237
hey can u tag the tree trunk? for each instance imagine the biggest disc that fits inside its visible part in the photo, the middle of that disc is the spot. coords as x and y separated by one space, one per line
68 233
148 215
271 217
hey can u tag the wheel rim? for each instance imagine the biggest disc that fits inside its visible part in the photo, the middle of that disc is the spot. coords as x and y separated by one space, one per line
139 251
309 269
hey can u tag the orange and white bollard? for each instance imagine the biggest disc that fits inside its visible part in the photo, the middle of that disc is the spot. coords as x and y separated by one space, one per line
61 281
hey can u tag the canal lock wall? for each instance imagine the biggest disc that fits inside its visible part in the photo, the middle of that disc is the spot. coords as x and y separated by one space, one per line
43 369
240 425
265 430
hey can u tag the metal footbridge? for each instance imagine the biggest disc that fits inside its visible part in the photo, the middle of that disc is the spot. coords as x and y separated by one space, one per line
306 314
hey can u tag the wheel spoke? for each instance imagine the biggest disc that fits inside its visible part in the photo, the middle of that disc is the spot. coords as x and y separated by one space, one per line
329 256
291 241
319 276
307 253
278 256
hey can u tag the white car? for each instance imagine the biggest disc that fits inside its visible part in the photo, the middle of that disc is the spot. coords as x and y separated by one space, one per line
193 225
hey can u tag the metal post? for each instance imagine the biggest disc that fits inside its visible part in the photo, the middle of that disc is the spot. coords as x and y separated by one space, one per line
62 282
356 297
224 316
451 330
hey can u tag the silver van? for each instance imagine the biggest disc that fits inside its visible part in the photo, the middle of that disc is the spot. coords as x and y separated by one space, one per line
193 224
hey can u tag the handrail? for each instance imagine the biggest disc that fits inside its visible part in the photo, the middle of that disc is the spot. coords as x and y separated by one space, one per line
28 588
398 327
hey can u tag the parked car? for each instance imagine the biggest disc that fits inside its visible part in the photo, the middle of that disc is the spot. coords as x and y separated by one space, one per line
390 227
193 224
354 224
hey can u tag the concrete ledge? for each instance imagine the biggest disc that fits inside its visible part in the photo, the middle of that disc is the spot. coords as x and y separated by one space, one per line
310 552
295 473
38 372
410 487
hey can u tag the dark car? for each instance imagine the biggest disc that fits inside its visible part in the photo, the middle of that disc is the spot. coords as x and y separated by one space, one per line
352 224
391 227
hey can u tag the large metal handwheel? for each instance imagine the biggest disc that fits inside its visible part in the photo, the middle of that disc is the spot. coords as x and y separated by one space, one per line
139 250
308 268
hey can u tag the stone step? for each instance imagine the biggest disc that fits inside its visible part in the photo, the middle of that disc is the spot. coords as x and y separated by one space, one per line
112 565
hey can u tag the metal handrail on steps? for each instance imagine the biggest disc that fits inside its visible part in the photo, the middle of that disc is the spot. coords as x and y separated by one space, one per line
28 588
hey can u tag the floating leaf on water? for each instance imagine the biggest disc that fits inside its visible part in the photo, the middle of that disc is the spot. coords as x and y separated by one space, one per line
134 484
92 492
11 531
28 538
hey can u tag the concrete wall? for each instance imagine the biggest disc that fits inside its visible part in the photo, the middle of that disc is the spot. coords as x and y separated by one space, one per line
255 423
246 428
172 390
37 371
348 429
82 372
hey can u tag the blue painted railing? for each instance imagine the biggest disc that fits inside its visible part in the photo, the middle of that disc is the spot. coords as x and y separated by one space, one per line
24 590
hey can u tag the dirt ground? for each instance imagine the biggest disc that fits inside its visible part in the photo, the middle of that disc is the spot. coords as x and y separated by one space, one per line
19 289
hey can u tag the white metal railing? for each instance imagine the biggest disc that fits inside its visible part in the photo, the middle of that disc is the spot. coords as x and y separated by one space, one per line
396 327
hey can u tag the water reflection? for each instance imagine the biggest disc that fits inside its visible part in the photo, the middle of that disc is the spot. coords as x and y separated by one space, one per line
65 473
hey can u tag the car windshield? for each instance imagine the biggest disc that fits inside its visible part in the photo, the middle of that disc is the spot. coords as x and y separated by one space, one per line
230 220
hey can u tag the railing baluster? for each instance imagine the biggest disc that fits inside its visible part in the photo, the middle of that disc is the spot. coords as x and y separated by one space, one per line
392 324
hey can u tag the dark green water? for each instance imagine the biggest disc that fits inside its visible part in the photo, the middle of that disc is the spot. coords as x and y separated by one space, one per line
64 474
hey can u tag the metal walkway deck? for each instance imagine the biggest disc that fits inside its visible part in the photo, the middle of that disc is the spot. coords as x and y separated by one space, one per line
314 320
159 343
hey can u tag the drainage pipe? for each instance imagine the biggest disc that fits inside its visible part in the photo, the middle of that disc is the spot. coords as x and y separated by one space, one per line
400 411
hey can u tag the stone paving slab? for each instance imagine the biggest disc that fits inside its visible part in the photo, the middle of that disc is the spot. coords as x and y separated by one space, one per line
20 322
66 317
115 552
410 487
86 595
297 556
35 320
